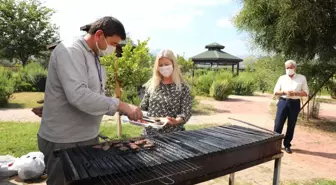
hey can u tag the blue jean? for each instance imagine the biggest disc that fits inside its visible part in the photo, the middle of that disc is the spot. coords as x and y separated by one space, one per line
287 109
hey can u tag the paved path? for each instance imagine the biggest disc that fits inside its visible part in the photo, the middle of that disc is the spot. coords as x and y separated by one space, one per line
314 152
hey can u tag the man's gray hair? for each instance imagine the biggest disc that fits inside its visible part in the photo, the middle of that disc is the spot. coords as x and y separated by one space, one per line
290 62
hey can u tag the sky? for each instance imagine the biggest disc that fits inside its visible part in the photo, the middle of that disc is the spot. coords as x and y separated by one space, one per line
184 26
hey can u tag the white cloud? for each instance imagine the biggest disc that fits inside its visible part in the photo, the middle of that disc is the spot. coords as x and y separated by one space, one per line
140 18
224 22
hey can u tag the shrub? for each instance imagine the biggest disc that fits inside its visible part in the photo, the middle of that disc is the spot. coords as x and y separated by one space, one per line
203 83
224 75
332 89
220 90
130 95
244 84
193 96
31 78
6 85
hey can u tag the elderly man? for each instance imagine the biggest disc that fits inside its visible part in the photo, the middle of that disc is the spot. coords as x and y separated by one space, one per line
289 87
75 101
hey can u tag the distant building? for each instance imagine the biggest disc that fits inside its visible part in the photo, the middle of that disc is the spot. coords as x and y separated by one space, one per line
214 57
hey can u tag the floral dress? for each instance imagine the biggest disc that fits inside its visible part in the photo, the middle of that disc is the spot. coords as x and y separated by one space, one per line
166 101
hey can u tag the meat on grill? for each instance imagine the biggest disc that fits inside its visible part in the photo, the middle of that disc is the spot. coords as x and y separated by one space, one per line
140 142
133 146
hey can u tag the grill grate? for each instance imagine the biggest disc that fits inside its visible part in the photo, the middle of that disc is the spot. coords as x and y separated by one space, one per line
170 156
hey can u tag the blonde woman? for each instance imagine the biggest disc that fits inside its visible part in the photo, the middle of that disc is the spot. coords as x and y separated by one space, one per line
167 94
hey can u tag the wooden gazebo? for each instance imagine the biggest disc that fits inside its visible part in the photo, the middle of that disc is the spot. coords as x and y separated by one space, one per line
215 57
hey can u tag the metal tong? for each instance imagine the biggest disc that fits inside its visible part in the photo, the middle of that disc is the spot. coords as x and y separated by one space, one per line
150 122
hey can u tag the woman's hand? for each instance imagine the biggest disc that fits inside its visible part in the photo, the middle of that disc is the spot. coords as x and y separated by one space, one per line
173 121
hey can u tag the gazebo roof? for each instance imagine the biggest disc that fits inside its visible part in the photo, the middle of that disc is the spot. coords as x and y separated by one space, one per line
215 54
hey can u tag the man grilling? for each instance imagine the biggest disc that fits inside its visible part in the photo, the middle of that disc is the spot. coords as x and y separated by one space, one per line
75 101
290 87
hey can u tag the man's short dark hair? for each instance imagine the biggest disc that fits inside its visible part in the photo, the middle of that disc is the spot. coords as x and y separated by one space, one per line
110 26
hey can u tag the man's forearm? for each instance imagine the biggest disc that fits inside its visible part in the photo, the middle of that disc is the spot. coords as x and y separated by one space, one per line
279 93
301 93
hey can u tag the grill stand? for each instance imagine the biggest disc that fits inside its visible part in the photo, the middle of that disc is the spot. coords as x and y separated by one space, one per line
231 179
276 173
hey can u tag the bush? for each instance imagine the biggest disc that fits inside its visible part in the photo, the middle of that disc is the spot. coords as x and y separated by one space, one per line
193 96
6 86
130 95
332 89
31 78
244 84
204 82
220 90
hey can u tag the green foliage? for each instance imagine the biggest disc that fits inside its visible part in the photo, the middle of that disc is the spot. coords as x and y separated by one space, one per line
31 78
5 63
267 71
25 29
223 75
134 69
204 82
332 89
301 30
6 85
220 90
244 84
185 65
205 78
293 28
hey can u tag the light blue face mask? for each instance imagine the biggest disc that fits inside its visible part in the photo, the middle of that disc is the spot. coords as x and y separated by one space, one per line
109 49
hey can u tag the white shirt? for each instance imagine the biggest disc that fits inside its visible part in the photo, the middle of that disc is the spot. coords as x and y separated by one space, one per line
297 83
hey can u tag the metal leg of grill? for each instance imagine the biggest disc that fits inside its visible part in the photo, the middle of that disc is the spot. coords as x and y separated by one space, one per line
231 179
276 175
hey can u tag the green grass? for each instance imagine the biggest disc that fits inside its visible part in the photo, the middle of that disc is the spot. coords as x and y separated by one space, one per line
202 108
313 182
18 139
25 100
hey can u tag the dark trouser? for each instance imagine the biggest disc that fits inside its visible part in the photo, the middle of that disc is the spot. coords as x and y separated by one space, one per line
53 164
287 108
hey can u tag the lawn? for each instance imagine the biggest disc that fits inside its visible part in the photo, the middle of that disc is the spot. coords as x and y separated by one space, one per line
25 100
313 182
20 138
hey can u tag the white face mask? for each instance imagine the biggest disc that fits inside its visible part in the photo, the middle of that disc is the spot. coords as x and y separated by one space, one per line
290 71
166 71
109 49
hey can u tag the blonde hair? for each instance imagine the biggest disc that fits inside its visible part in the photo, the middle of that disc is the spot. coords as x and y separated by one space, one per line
177 77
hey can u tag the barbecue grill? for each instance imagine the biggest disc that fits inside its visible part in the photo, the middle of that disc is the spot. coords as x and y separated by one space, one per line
185 157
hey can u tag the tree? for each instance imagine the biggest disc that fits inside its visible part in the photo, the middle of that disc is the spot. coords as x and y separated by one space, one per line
267 71
134 69
185 65
302 30
25 29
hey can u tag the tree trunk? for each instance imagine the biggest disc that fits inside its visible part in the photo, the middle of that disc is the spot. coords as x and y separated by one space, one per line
24 60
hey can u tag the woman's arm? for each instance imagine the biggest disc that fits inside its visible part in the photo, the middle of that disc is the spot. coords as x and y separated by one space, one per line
186 105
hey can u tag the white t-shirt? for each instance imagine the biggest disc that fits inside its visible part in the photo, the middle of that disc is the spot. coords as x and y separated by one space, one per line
297 83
